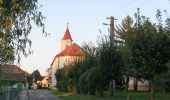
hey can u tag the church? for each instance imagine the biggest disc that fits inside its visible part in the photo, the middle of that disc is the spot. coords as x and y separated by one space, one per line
69 53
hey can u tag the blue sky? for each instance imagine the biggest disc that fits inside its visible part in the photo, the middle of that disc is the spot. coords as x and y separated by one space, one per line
85 18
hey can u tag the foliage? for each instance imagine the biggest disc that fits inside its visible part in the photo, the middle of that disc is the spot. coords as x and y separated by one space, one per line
80 67
35 76
92 74
125 28
149 47
16 17
162 81
111 59
61 81
92 81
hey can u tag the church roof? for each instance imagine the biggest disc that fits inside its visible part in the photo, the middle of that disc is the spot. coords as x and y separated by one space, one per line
67 35
72 50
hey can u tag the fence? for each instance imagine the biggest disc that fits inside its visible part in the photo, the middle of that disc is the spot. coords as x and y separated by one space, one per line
10 92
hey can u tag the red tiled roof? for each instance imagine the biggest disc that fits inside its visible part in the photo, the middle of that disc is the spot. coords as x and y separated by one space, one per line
67 35
13 69
72 50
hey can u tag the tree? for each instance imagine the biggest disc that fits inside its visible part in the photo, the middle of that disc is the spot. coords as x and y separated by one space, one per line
16 17
111 61
125 28
149 47
81 66
34 78
62 82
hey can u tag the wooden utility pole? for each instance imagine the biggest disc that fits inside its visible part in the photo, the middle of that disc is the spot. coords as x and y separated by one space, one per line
112 36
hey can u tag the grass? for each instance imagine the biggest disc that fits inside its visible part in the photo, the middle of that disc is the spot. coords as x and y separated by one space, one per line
118 96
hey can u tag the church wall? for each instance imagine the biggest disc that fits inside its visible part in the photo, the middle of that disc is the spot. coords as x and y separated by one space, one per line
54 68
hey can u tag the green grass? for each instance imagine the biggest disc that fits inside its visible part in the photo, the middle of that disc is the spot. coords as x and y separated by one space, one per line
118 96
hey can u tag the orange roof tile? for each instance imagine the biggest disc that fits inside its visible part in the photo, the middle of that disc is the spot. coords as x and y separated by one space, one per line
67 35
72 50
13 69
13 73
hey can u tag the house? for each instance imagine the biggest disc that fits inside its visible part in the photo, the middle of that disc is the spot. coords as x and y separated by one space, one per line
45 82
70 52
13 76
12 73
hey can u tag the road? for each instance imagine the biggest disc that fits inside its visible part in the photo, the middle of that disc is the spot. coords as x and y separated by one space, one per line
36 95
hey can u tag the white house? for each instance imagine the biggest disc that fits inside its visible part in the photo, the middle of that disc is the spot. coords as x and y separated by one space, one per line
69 53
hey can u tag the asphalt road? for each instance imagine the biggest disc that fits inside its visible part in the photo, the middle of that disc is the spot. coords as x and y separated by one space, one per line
36 95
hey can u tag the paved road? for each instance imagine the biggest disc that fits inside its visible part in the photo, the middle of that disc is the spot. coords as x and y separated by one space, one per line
36 95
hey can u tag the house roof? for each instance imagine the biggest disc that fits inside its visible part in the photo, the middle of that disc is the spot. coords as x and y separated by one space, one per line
13 73
67 35
72 50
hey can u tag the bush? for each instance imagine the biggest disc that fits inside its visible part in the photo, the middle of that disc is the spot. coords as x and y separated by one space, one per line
62 83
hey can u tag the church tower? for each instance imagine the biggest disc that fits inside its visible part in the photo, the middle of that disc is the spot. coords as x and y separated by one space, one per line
66 40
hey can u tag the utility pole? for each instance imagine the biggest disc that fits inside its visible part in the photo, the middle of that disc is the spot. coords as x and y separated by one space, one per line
112 36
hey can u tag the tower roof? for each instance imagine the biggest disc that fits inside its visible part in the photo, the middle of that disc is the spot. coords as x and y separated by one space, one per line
67 35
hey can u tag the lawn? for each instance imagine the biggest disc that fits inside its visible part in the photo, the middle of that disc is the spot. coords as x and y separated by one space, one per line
118 96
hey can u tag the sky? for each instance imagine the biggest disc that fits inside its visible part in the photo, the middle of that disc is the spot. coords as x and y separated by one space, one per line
85 18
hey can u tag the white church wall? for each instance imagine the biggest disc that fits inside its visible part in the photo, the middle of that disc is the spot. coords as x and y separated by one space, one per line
54 68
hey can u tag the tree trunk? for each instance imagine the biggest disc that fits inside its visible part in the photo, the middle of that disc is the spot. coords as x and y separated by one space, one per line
152 90
135 84
127 83
112 88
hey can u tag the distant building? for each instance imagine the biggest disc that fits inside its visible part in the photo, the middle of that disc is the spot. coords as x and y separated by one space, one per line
142 84
45 82
69 53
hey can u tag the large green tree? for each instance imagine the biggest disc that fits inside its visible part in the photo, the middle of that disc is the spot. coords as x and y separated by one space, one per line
149 46
16 18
